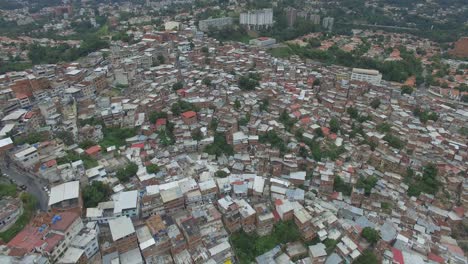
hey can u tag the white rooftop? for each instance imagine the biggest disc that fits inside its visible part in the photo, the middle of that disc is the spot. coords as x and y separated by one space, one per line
125 200
121 227
64 191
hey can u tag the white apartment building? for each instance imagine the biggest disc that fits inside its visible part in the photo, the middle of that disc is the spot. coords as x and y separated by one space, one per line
364 75
257 18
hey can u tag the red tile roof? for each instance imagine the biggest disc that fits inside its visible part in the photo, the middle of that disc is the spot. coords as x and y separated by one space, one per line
161 122
435 258
189 114
93 150
67 220
138 145
398 256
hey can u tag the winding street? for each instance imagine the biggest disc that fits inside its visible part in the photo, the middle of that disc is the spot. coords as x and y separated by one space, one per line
33 183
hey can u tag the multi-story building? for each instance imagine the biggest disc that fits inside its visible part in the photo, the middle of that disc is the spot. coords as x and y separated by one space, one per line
10 210
87 240
215 23
364 75
66 196
257 18
123 234
49 234
27 157
126 204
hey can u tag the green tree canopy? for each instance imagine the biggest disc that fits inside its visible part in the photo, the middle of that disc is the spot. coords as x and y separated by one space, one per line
95 193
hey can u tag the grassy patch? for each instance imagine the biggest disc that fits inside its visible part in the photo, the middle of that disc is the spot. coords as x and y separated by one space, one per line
281 52
29 206
7 190
247 247
116 136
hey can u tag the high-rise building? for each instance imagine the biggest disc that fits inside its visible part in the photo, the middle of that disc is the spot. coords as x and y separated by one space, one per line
315 19
257 18
291 16
215 23
327 23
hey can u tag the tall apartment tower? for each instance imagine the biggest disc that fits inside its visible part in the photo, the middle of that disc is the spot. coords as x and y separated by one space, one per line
257 18
291 15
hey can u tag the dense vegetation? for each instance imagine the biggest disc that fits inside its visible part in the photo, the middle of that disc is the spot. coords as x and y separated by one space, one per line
115 136
72 156
182 106
367 184
271 137
340 186
371 235
124 174
7 190
248 247
367 257
64 53
428 183
219 146
397 71
29 206
249 82
95 193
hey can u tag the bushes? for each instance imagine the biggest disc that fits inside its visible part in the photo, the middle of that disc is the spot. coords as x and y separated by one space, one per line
125 173
116 136
219 146
152 168
367 184
428 183
29 206
272 138
287 121
247 247
340 186
394 141
249 82
95 193
370 234
7 190
182 106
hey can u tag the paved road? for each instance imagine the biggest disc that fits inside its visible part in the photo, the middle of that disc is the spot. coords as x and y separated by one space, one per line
33 184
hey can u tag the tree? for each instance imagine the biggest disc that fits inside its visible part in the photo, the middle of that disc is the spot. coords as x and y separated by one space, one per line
95 193
367 184
213 124
182 106
177 86
405 89
352 112
318 132
249 82
334 125
340 186
237 104
197 134
152 168
464 98
66 137
205 49
370 234
221 174
375 103
367 257
265 103
206 81
428 183
316 82
161 59
128 171
219 146
154 116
